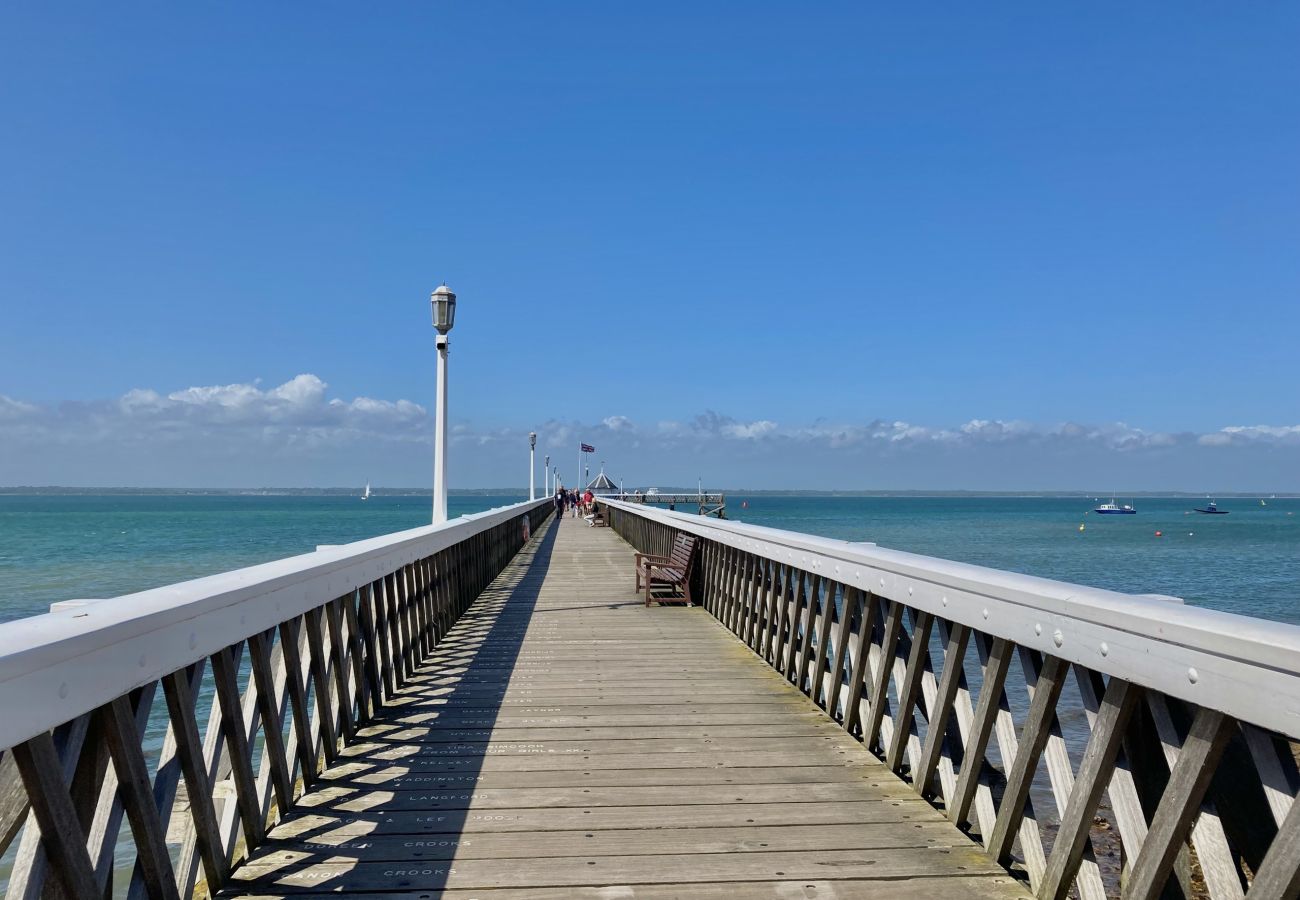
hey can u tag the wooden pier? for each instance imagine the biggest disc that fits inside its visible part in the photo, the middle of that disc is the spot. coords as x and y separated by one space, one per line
564 740
706 503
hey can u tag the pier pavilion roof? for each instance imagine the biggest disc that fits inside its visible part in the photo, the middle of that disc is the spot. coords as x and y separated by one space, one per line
602 484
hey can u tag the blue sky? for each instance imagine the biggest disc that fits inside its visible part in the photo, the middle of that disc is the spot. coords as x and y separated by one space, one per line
787 245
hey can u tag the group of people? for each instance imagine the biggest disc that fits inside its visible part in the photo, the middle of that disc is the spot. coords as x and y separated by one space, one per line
583 504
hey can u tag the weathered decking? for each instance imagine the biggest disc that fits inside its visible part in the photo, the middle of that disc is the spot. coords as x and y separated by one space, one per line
565 741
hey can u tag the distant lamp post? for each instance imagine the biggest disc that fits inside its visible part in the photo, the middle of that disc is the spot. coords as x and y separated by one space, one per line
546 476
532 466
444 316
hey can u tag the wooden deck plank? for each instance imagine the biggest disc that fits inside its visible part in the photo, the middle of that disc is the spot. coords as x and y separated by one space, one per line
400 778
440 734
957 887
683 868
564 740
429 762
318 822
581 716
363 798
627 842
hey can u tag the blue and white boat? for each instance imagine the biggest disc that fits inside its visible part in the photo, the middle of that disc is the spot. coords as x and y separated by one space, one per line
1112 509
1211 509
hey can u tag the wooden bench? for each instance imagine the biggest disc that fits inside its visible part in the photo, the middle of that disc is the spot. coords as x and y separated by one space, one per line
669 575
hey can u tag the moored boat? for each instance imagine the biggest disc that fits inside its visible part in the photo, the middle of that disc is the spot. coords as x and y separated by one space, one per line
1113 509
1211 509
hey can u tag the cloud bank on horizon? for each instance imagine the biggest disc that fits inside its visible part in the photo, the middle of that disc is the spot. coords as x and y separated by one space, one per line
296 434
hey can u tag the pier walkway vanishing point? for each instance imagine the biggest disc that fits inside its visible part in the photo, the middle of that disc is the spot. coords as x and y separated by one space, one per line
564 740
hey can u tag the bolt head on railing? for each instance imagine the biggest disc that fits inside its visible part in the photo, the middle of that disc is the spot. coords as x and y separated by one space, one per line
444 309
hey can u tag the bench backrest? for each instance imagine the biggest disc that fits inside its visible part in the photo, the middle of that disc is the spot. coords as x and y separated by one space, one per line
683 551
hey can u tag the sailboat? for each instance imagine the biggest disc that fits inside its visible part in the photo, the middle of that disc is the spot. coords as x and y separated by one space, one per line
366 495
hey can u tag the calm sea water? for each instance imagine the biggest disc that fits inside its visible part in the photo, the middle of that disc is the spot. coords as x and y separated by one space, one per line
62 547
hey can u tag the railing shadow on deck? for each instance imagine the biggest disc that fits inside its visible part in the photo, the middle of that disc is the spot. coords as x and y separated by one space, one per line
463 684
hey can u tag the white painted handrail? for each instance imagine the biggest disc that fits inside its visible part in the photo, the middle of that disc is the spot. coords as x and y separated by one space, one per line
57 666
1240 665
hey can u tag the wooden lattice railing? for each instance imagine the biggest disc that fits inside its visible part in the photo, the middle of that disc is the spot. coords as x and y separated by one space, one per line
201 712
1099 744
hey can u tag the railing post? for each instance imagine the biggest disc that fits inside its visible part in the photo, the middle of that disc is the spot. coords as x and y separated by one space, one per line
320 684
61 834
339 665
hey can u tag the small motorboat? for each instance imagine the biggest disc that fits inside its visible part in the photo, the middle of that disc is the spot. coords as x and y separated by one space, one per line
1112 509
1212 509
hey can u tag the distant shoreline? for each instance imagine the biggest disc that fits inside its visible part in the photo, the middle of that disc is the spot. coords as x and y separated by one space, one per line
55 491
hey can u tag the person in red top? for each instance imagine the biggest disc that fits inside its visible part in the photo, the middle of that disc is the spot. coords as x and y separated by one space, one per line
586 499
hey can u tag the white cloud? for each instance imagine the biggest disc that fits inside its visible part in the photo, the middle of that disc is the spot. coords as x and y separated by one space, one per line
12 410
750 430
995 430
1236 434
295 412
1116 435
299 420
301 390
554 434
714 424
140 400
301 409
897 433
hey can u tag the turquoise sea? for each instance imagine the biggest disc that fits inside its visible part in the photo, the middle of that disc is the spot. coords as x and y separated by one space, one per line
63 547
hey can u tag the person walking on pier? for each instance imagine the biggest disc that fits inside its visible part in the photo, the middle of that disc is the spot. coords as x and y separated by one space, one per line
559 503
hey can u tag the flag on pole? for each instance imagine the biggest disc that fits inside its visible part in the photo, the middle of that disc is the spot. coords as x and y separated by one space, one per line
587 448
